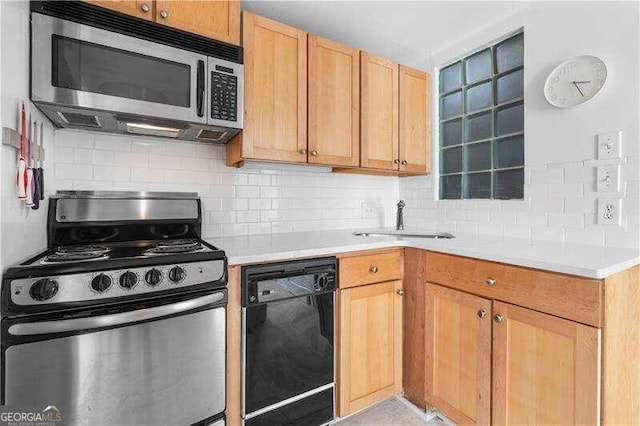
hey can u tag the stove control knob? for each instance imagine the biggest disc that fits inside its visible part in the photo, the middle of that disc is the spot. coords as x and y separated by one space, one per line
128 280
101 283
43 289
177 274
153 277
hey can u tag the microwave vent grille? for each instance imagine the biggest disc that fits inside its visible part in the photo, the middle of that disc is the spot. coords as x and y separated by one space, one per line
211 135
95 16
77 119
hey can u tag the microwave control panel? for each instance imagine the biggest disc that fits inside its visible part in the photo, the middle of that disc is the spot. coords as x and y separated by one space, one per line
224 94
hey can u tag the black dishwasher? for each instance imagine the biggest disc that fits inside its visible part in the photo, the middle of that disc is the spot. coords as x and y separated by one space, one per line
288 342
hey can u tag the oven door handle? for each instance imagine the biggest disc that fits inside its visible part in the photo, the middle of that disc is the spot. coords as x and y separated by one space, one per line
104 321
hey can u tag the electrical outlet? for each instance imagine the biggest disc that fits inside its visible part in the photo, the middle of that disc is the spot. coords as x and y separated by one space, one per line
608 179
368 209
609 211
609 145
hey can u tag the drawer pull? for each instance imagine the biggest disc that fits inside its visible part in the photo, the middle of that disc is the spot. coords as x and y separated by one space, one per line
400 292
314 153
164 14
144 7
373 269
490 282
303 151
482 313
498 319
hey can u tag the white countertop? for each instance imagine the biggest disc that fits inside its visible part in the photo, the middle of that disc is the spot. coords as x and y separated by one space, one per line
575 259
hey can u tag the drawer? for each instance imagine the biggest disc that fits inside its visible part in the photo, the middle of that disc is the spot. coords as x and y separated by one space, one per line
370 268
566 296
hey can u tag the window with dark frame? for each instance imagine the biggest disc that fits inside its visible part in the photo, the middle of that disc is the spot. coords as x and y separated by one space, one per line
482 123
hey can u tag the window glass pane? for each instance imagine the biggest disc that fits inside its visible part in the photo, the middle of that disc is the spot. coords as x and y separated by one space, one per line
509 152
451 105
478 156
478 185
94 68
450 187
510 86
508 184
510 119
451 78
478 127
451 133
478 66
478 97
451 160
510 53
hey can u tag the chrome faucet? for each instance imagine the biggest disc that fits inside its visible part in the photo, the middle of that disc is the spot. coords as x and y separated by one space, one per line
400 216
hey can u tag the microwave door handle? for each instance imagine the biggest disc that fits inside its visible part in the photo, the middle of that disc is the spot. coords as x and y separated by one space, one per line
111 320
200 88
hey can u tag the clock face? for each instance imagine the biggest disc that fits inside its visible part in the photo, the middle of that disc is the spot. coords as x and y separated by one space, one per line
575 81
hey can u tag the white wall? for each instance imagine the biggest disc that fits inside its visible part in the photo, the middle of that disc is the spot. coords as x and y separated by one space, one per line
23 229
560 198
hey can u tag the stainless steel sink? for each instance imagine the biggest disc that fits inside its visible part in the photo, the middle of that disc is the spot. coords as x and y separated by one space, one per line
436 235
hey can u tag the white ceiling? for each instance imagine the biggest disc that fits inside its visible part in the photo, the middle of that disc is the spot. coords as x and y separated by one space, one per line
407 32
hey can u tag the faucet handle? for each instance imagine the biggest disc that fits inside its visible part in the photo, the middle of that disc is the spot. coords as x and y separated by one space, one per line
401 204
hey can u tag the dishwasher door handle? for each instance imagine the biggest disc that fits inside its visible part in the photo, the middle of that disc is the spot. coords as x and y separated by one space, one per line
102 321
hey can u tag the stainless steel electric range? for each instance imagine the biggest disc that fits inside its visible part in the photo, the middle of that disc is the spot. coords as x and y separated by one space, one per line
122 319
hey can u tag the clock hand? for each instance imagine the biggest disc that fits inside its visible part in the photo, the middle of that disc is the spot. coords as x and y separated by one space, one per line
575 84
582 81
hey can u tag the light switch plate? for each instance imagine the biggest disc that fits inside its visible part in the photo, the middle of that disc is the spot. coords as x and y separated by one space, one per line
609 211
609 145
608 179
368 209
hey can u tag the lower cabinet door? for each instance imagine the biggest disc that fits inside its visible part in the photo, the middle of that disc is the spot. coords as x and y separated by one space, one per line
545 369
370 349
458 354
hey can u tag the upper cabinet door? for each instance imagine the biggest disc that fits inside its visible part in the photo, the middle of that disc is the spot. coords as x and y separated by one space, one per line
139 9
379 112
545 369
334 103
275 70
415 121
217 19
458 354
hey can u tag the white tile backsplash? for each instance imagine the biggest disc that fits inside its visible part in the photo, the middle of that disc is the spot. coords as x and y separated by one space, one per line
262 199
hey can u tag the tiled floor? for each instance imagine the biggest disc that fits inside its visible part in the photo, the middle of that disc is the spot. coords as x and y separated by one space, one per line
395 411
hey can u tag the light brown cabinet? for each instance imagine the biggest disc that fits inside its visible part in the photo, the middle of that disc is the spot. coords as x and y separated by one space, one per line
370 345
414 122
395 117
546 370
334 103
539 369
216 19
284 65
275 116
458 354
379 113
369 349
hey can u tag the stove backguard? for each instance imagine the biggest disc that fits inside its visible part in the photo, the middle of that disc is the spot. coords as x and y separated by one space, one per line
87 217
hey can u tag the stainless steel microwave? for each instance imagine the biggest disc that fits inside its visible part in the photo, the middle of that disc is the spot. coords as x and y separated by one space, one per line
91 78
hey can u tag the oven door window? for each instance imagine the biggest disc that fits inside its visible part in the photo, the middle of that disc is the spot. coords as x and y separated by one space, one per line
289 349
94 68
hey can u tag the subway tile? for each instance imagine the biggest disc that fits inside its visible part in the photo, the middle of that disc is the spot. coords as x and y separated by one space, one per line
565 190
543 233
590 236
547 176
112 143
245 216
73 172
517 231
74 139
247 191
566 220
112 173
161 161
530 218
130 159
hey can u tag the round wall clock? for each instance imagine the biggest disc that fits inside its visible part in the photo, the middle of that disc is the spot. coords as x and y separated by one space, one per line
575 81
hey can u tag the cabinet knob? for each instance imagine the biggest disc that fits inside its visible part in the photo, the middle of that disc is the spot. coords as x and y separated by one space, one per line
404 161
490 282
498 319
397 161
400 292
164 14
482 313
314 153
303 151
144 7
373 269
